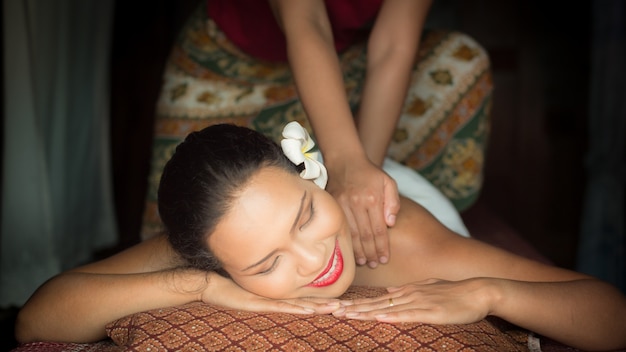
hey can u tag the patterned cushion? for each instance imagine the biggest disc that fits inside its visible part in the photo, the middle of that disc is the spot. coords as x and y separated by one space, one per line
202 327
101 346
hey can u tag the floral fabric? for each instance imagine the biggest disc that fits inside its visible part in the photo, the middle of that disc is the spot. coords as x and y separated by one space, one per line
442 132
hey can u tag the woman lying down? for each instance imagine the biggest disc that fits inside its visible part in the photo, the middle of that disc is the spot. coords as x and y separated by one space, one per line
246 231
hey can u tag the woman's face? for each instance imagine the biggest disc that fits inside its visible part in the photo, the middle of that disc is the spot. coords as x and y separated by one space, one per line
285 237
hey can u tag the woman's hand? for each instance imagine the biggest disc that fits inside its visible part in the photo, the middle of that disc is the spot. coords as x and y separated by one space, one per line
369 197
225 292
431 301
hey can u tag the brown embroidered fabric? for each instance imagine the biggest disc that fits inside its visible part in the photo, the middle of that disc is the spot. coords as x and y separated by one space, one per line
202 327
102 346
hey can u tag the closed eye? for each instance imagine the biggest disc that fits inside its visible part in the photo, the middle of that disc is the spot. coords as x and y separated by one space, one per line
271 268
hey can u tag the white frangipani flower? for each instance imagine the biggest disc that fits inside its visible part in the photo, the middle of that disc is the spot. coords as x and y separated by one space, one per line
299 148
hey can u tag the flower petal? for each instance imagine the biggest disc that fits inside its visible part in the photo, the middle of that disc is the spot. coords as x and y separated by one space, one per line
292 150
322 179
293 130
297 146
311 169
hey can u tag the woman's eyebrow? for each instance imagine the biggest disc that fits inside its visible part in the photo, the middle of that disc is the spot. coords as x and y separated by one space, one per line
299 214
295 222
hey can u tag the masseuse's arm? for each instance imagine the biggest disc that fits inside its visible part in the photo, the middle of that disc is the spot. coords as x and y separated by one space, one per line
75 306
391 50
368 195
481 280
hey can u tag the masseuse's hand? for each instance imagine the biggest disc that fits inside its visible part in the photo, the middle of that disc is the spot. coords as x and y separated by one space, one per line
226 293
369 197
432 301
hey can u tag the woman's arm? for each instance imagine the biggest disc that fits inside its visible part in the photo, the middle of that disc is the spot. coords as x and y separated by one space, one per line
391 52
367 194
76 306
476 280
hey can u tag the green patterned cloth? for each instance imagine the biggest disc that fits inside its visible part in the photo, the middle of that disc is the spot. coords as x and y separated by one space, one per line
442 132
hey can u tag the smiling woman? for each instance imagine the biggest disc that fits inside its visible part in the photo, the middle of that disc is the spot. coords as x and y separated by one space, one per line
233 203
306 238
287 257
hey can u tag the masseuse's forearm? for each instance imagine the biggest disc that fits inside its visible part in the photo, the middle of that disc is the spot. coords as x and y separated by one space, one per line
391 51
381 105
569 312
319 80
75 307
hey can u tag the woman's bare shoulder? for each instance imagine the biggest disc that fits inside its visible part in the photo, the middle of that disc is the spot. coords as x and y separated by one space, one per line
413 240
422 248
154 254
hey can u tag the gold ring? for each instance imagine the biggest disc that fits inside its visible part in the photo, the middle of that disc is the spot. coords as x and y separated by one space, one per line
390 302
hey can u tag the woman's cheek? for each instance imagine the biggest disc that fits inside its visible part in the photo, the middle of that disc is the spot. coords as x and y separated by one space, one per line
332 214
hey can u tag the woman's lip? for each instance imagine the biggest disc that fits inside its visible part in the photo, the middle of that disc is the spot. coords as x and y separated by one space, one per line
333 269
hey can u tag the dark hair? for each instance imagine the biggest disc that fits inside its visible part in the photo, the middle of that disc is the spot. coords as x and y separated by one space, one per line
201 181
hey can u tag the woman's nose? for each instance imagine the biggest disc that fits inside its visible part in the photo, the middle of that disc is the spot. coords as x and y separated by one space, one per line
311 258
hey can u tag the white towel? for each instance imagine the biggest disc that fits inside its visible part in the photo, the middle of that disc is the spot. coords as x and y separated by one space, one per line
415 187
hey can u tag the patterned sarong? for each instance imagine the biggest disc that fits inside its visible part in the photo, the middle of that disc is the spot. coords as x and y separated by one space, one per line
442 132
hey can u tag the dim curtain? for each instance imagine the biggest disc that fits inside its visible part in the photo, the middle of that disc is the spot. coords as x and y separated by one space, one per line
57 205
602 245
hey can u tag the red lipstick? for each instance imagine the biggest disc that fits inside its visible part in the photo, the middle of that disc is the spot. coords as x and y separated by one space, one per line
333 270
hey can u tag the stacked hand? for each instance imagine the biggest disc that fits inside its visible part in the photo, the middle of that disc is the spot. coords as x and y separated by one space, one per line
431 301
225 292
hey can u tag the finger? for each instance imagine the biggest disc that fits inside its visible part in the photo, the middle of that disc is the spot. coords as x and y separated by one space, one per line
372 304
316 300
405 316
359 253
278 307
319 305
393 289
358 301
367 237
391 201
362 311
422 315
294 306
381 236
398 316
